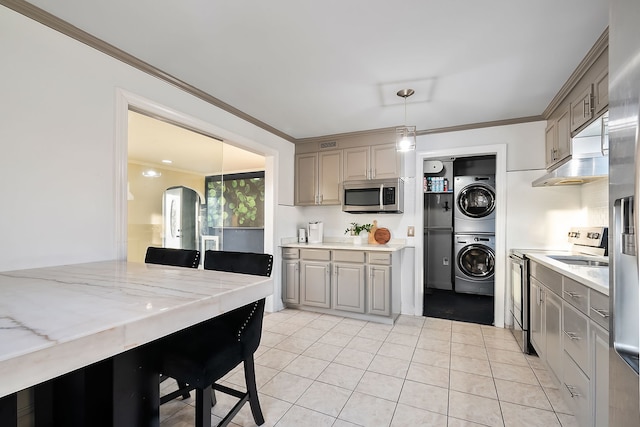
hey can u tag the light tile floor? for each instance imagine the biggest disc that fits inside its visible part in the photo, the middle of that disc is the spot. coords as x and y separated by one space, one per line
322 370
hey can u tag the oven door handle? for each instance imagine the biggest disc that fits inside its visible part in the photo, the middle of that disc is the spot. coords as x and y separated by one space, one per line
381 196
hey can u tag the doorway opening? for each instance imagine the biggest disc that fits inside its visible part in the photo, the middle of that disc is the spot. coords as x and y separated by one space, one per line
175 181
459 255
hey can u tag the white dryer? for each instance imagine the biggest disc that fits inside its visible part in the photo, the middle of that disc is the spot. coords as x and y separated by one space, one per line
475 260
474 204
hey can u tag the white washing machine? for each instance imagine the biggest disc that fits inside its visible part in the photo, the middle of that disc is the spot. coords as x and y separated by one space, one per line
475 261
474 204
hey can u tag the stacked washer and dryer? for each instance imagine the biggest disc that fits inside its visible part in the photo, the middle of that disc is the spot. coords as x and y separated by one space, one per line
474 228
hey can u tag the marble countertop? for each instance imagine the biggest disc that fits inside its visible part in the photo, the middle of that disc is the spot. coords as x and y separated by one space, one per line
392 246
596 278
54 320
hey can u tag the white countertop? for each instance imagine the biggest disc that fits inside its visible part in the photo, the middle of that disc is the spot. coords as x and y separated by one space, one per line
596 278
57 319
392 246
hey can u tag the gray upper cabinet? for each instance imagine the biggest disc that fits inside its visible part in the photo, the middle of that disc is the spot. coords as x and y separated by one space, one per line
318 178
582 108
601 93
558 140
306 184
372 162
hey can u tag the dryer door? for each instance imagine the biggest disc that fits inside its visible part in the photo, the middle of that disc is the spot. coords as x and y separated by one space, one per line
477 261
476 200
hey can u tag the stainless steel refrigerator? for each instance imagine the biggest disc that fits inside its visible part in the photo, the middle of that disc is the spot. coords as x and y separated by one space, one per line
181 224
624 198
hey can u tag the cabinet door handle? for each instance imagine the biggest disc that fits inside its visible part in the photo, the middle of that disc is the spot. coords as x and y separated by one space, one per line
574 336
601 312
572 294
320 199
572 390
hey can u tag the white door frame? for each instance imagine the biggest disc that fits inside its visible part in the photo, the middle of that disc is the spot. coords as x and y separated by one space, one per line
125 100
500 151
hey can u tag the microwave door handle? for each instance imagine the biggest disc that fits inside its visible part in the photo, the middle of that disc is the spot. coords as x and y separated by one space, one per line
381 191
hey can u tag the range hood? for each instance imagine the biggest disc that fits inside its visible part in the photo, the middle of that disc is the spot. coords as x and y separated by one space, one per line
589 161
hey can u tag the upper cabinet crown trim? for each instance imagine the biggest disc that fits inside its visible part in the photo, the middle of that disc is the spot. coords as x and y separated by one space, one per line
589 60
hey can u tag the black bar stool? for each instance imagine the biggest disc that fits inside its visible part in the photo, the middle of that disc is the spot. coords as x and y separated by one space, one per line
208 351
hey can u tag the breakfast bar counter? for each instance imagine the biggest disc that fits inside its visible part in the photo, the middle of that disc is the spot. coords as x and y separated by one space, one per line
55 320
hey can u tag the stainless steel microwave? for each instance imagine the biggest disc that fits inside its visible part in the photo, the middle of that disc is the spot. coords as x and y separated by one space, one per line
373 195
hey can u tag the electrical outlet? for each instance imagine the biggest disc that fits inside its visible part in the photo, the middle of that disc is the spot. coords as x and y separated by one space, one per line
411 231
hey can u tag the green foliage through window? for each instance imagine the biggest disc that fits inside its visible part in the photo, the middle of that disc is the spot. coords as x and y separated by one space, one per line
235 200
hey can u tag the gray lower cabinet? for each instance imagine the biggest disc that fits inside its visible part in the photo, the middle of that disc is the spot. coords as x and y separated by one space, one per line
569 331
348 281
348 287
536 313
379 289
553 332
290 275
315 283
291 281
600 377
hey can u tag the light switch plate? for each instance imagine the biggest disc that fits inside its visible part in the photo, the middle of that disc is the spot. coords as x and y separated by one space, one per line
411 231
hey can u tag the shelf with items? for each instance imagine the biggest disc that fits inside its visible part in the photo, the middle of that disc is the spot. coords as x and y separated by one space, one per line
436 185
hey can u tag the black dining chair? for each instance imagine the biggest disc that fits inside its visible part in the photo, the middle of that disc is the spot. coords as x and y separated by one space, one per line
208 351
178 258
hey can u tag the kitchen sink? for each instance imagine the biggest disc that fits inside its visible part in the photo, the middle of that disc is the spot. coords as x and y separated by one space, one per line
580 260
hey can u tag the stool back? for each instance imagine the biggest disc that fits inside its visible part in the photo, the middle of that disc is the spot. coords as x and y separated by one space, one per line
175 257
239 262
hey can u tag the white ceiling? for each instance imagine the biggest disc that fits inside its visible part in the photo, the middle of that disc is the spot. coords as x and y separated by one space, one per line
312 68
151 141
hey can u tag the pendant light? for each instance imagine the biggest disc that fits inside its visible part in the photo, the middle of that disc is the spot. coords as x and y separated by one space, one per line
405 135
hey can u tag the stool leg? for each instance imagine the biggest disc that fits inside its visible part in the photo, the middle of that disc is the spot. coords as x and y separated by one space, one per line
252 390
181 385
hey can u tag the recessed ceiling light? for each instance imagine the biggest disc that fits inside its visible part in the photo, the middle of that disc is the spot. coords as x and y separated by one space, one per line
167 161
150 173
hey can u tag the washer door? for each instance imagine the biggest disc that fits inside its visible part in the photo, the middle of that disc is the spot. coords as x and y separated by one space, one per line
476 201
477 261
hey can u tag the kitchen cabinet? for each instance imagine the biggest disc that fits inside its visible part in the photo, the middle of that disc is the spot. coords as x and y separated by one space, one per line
553 331
315 278
372 162
582 108
349 281
379 285
346 282
536 313
600 375
318 178
557 140
601 93
591 102
290 275
577 353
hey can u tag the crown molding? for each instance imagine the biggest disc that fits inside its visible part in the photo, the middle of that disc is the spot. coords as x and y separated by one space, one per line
480 125
590 58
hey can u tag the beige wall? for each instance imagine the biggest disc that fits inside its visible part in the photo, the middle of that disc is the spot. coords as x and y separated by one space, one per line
145 209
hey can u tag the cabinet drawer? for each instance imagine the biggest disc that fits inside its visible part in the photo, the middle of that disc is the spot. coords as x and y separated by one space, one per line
349 256
315 254
382 258
599 308
575 389
290 253
575 327
547 277
576 294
